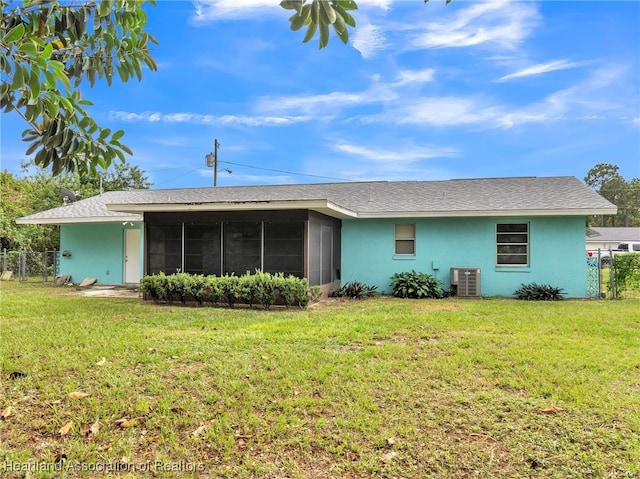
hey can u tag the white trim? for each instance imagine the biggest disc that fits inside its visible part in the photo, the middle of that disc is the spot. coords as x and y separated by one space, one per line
487 213
90 219
322 206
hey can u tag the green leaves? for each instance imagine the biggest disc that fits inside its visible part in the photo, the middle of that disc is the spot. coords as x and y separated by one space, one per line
47 47
321 15
15 34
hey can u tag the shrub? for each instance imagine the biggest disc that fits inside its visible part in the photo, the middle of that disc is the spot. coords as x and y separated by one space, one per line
264 288
538 292
180 286
230 289
416 285
626 270
156 286
197 290
354 290
212 289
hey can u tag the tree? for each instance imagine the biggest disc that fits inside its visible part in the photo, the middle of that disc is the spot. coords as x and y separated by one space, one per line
321 15
47 50
607 181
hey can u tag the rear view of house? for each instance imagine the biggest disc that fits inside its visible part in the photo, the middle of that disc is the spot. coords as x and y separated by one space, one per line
484 236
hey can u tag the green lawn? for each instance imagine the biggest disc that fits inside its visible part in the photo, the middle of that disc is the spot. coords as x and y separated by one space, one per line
382 388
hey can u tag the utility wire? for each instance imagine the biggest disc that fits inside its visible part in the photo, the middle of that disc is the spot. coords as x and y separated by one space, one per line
287 172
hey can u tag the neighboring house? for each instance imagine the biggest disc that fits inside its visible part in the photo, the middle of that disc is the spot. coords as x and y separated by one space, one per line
507 230
610 238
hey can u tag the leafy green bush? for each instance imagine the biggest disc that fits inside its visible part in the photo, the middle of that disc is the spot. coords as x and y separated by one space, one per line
416 285
538 292
212 289
197 289
261 288
230 289
156 286
626 270
180 286
354 290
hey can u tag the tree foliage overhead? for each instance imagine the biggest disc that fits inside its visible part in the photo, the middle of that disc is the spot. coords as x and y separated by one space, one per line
609 183
47 49
321 16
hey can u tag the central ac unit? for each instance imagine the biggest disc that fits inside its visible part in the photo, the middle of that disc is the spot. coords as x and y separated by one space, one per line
466 282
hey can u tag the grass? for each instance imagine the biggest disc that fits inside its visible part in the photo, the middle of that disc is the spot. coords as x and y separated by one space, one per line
382 388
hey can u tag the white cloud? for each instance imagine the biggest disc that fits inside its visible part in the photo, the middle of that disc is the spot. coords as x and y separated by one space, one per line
414 76
208 11
439 111
406 154
541 68
328 102
368 40
501 23
196 118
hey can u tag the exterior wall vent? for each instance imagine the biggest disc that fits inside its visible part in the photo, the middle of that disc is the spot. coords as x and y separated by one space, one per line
466 282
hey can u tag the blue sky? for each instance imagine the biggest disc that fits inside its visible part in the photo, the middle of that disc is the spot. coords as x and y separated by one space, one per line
421 92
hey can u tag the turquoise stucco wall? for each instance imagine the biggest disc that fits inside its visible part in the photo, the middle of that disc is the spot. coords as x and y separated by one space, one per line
557 252
97 251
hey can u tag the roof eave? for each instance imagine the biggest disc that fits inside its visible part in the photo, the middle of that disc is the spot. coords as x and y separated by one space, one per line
322 206
490 213
80 220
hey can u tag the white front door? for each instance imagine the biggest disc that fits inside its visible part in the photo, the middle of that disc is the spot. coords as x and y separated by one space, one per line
132 256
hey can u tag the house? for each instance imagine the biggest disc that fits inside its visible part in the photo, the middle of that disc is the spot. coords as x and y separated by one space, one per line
501 231
610 238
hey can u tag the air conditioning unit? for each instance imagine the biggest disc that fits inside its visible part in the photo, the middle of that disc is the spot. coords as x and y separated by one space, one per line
466 282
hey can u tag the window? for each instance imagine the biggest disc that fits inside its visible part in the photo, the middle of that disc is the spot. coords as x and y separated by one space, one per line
512 241
405 239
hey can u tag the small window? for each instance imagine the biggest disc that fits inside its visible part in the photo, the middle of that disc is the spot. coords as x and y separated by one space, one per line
512 244
405 239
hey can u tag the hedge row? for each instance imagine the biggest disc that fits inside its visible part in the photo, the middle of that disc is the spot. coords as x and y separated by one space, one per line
261 288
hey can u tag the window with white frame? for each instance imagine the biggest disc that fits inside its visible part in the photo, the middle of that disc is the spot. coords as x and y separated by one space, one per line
512 244
405 239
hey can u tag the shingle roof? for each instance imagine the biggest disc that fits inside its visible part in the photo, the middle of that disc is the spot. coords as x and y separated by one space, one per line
84 211
615 234
467 197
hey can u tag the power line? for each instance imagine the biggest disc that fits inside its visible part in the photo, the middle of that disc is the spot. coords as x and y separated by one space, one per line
287 172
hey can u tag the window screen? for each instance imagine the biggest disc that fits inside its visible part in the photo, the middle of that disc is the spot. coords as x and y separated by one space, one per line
284 248
165 248
512 244
202 249
242 242
405 239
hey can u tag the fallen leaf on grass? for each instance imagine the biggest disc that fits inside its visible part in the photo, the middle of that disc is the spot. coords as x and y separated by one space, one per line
296 390
136 421
78 395
6 412
199 430
389 456
64 430
551 409
89 430
101 362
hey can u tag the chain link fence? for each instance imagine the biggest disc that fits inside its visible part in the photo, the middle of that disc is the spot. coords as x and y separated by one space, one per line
616 274
31 265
